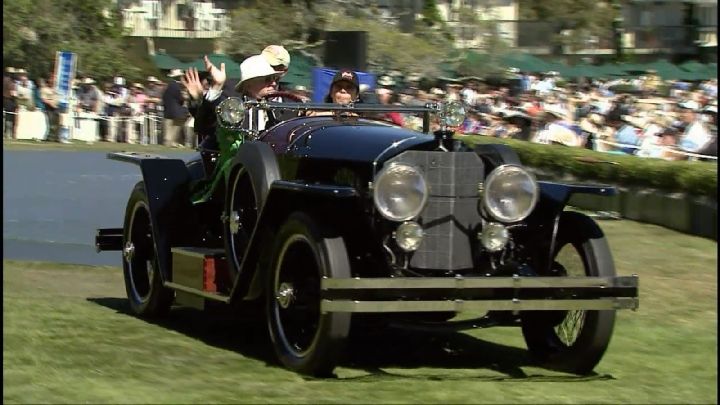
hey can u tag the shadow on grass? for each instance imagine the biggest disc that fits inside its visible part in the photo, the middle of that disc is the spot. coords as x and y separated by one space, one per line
216 326
371 350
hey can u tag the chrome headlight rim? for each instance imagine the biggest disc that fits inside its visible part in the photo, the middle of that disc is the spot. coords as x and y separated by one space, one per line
452 114
376 195
493 176
229 106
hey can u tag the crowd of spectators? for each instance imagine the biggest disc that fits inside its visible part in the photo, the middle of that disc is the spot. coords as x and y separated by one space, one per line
151 112
645 116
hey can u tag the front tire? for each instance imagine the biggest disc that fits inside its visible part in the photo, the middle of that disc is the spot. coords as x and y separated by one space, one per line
573 341
143 284
305 340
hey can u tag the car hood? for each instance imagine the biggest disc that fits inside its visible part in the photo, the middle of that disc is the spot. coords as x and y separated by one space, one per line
359 142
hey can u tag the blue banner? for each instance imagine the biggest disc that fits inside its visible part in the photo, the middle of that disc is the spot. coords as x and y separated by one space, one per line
65 63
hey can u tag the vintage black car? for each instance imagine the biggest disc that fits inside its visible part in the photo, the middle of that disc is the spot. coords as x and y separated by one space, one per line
332 218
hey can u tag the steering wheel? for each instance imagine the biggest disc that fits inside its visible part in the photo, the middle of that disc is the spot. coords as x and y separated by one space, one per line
285 95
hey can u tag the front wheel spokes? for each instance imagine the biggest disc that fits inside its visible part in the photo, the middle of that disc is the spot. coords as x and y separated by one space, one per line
569 330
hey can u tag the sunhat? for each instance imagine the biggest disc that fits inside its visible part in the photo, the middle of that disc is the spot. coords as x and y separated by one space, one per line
253 67
386 81
175 73
276 55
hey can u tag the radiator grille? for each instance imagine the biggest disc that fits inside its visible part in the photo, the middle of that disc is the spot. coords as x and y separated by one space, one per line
450 219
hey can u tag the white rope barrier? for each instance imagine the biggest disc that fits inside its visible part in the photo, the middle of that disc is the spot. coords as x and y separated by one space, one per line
661 147
85 126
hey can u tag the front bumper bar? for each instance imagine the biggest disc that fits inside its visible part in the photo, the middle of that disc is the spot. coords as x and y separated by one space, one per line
459 294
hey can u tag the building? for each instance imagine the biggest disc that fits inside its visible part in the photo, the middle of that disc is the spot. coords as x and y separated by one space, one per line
182 28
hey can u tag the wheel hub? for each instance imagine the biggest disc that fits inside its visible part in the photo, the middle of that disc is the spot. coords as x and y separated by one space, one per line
285 295
234 221
129 251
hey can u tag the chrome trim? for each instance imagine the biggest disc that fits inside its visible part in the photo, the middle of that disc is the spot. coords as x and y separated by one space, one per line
488 305
477 282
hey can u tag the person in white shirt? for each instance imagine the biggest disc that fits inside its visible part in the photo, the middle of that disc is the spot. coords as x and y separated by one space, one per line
696 134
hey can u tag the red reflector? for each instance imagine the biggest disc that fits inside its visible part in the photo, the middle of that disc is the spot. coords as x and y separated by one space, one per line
214 274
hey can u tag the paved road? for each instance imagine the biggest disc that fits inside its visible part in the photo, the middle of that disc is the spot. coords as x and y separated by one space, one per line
53 201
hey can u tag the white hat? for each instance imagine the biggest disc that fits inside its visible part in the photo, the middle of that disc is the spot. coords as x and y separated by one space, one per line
253 67
386 81
276 55
175 73
120 81
562 135
437 91
153 79
555 110
21 71
414 77
88 80
689 104
300 88
363 87
637 122
10 69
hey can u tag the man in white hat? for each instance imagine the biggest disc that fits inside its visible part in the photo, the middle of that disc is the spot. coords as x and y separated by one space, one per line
258 81
174 111
88 95
154 91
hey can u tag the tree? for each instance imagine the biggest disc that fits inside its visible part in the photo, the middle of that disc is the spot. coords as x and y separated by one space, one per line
33 30
430 13
487 60
298 25
573 21
257 24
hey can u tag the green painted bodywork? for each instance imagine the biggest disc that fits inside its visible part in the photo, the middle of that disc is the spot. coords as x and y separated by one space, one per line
229 140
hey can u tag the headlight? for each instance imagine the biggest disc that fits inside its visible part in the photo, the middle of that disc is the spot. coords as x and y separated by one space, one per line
231 112
409 235
400 192
510 193
452 114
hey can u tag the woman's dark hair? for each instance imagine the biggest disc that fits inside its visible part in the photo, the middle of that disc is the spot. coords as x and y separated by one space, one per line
328 97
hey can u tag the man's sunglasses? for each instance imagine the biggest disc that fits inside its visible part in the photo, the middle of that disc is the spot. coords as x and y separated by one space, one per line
272 78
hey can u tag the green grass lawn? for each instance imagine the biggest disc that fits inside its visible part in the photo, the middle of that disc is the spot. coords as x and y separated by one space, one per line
69 339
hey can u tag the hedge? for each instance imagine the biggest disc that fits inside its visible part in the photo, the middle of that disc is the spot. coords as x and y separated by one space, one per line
691 177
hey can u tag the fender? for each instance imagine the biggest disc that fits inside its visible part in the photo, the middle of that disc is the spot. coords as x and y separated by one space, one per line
167 188
259 161
551 203
496 154
283 198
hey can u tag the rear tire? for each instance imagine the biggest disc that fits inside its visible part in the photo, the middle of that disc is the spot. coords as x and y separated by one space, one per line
242 210
143 283
573 341
305 340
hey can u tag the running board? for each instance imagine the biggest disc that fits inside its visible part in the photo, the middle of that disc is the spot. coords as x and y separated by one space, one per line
199 273
199 293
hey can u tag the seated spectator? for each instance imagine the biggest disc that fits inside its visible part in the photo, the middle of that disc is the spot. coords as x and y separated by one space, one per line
695 135
555 129
387 97
628 135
